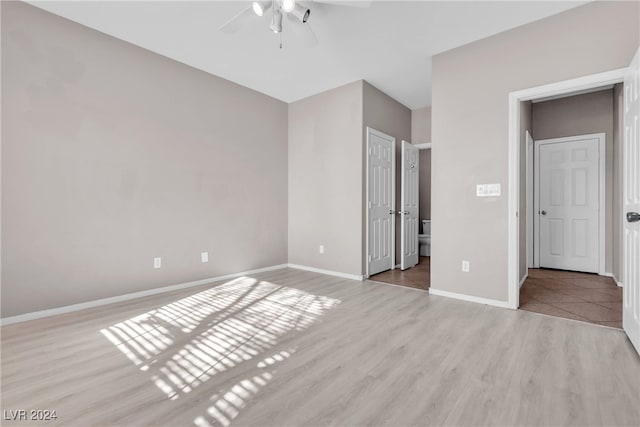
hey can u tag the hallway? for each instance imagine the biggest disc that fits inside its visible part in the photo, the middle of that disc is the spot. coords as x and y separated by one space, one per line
573 295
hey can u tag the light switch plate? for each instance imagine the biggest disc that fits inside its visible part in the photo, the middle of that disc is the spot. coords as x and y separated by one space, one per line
157 262
488 190
204 256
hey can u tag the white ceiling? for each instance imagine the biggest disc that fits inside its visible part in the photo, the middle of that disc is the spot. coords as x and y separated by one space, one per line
389 44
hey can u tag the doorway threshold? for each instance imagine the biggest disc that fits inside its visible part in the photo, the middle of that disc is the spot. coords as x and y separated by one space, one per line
418 277
573 295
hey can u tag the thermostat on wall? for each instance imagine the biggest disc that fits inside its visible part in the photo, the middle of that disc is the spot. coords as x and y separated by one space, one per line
488 190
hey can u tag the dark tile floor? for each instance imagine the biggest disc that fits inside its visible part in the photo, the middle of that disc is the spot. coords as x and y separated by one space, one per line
417 277
579 296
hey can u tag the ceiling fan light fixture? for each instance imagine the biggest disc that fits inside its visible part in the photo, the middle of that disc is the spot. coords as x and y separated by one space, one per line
260 6
288 5
276 22
301 12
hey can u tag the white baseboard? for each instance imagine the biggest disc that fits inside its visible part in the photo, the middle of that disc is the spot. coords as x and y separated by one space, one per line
327 272
104 301
487 301
526 276
615 279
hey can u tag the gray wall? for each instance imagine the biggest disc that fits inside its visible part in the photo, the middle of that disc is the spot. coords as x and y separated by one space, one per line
327 139
112 155
326 180
387 115
618 213
421 125
580 115
421 133
525 125
471 85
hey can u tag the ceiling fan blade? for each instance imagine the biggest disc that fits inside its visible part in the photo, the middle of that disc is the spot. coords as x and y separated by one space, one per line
237 22
302 31
352 3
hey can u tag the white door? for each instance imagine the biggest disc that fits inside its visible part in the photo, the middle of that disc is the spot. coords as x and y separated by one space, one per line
631 204
409 200
381 162
569 200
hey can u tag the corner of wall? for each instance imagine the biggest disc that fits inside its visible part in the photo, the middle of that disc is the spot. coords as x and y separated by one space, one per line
325 160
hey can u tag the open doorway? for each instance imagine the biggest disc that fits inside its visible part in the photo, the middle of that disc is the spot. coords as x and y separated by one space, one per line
570 205
626 207
414 262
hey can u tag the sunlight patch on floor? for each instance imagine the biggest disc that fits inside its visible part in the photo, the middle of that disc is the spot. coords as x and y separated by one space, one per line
187 342
228 404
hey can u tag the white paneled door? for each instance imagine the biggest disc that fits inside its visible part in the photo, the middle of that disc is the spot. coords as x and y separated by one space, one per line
409 201
631 204
569 202
380 201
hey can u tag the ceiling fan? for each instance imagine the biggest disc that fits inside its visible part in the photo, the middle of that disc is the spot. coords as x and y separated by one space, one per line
296 13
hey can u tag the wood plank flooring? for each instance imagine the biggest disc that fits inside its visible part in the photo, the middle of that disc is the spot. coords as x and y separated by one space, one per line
573 295
418 277
290 348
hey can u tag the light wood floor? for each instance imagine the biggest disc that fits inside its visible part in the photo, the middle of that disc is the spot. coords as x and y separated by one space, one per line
290 348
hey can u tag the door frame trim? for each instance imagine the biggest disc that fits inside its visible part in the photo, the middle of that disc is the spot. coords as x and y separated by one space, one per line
529 205
372 131
601 137
559 88
423 146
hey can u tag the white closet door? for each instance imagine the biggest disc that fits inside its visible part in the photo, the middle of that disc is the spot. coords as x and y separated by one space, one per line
410 205
569 203
380 200
631 204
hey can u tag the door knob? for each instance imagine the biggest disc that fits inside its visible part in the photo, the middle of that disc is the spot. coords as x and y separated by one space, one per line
403 212
391 212
543 212
633 216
